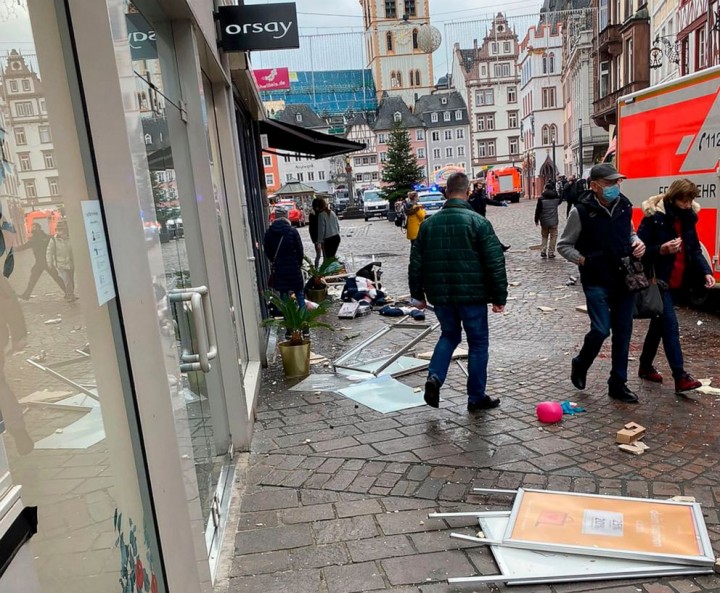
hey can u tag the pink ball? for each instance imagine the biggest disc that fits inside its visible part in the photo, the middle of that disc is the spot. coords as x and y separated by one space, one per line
549 412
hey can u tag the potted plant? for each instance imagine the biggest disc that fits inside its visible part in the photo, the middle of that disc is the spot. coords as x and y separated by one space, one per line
318 291
296 322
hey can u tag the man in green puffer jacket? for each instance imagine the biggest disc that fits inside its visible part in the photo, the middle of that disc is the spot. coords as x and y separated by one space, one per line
457 264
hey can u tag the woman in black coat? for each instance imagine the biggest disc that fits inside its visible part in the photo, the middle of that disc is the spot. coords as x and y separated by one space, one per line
673 252
284 249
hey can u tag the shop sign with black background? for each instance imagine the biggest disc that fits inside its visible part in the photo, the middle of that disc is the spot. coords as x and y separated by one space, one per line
259 27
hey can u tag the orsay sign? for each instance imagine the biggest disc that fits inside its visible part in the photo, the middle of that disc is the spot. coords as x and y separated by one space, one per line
258 27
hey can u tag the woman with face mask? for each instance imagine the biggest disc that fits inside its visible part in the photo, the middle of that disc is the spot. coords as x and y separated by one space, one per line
597 236
674 253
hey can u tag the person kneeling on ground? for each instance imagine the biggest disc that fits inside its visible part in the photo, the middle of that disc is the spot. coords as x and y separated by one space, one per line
457 264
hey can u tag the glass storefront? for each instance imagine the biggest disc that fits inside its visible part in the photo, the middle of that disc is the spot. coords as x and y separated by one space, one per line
71 434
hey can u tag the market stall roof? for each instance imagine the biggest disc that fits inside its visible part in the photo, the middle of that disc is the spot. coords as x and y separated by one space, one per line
291 138
293 188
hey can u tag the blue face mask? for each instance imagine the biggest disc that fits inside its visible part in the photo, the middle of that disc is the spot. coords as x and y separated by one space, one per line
611 193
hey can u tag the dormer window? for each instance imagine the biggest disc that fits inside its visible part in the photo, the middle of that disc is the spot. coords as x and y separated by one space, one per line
298 117
446 116
397 117
458 115
434 117
444 100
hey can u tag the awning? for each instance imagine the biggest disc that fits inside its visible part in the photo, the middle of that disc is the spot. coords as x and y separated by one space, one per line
289 138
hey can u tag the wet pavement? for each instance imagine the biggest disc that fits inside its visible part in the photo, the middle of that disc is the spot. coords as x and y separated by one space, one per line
335 496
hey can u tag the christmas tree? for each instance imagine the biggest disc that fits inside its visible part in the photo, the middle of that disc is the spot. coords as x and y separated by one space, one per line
401 169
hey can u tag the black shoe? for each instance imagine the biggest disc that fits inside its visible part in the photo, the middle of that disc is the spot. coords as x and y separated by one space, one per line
622 394
543 254
432 392
487 403
506 247
578 375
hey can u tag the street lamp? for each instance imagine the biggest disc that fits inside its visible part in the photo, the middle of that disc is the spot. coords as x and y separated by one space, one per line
580 159
553 153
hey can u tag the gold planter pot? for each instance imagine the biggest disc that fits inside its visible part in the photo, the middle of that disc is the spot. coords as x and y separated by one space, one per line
295 359
317 295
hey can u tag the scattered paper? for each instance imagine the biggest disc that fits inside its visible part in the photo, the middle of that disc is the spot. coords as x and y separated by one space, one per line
546 309
581 308
459 353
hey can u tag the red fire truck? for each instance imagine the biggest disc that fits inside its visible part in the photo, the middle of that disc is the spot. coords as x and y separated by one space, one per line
504 183
672 131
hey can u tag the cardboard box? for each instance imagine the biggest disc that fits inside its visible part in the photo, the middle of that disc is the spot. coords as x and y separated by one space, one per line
630 433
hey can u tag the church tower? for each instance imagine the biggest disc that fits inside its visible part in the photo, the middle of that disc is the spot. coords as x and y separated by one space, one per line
399 67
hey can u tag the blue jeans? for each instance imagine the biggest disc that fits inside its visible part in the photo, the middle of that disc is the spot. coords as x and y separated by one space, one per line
665 328
474 319
299 296
610 310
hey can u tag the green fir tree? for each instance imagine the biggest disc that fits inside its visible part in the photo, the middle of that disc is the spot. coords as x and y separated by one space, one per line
401 169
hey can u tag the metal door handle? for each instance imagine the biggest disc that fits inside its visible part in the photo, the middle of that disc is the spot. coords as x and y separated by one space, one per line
202 319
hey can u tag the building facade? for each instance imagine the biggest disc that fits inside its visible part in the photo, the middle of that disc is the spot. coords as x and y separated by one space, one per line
698 35
447 130
488 77
271 170
621 55
28 117
585 143
541 98
399 67
365 164
394 111
317 173
665 49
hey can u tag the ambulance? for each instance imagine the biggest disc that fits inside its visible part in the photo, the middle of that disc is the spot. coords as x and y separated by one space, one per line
669 132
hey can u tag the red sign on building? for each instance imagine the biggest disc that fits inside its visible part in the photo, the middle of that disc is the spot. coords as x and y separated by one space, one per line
272 79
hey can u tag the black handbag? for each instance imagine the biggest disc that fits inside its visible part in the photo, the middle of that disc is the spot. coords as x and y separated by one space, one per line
649 301
635 278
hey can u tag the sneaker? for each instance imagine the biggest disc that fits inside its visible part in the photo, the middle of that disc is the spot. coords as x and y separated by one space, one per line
686 383
551 256
487 403
543 254
622 394
578 375
650 374
432 392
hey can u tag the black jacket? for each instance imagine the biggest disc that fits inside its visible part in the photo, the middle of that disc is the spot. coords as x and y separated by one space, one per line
286 256
658 227
38 242
479 201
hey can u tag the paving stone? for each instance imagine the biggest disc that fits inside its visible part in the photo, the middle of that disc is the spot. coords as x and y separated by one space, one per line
419 472
331 466
308 514
379 436
341 443
252 564
438 541
274 538
341 530
340 480
372 468
380 547
311 497
357 508
318 556
255 520
407 522
418 569
353 578
297 581
361 484
353 465
266 500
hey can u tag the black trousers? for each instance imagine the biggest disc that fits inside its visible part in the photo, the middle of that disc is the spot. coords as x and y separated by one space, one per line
35 274
330 246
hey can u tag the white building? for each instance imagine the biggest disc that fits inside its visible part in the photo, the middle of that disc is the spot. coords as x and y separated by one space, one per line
445 116
316 173
10 201
578 72
541 97
398 65
488 77
28 122
365 165
664 20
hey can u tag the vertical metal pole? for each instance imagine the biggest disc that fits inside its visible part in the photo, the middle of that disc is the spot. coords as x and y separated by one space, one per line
580 157
554 165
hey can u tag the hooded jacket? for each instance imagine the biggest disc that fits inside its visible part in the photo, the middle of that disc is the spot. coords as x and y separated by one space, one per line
457 259
284 249
546 211
658 227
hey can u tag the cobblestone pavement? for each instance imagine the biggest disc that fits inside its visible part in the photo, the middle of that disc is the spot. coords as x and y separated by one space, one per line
335 496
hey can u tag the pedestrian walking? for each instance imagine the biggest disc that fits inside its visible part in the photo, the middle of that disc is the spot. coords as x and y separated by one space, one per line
414 217
328 237
38 242
597 236
59 256
284 249
313 228
457 265
479 201
570 194
674 255
546 215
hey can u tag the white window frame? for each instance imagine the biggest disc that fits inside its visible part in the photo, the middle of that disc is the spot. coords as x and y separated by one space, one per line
269 180
461 151
53 186
449 152
446 116
458 115
460 134
435 136
434 117
448 135
436 153
421 153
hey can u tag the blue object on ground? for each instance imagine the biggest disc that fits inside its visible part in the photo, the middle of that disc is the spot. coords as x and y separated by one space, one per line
570 408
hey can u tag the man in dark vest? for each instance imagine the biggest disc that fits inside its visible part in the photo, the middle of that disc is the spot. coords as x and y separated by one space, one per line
598 234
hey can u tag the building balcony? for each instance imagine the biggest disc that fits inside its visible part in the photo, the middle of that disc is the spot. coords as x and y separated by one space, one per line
604 109
609 42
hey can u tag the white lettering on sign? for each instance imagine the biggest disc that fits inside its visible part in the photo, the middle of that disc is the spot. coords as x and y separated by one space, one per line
691 11
139 37
249 28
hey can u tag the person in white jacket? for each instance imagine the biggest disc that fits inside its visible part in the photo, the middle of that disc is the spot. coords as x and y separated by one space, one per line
60 257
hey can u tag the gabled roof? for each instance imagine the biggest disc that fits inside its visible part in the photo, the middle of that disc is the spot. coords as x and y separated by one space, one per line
309 119
294 187
428 104
389 106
